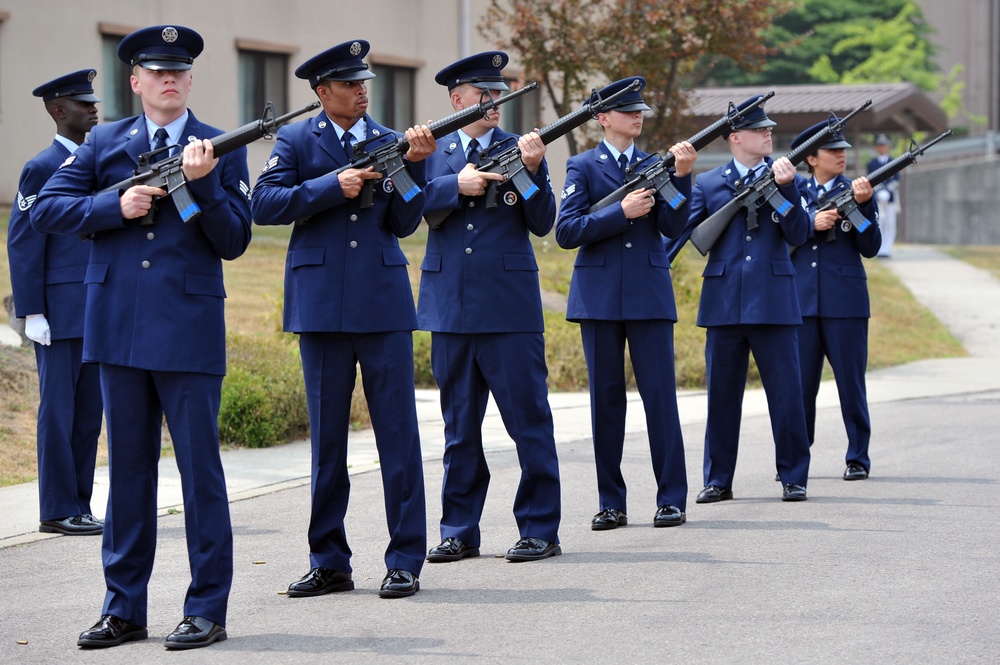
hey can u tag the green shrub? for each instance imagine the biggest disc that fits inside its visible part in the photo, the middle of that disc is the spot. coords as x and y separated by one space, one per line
564 354
263 394
423 376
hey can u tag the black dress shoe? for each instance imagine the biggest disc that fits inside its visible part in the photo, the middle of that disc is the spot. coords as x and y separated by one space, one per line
532 549
78 525
399 583
777 477
110 631
195 632
609 518
451 549
855 472
669 516
792 492
714 493
319 581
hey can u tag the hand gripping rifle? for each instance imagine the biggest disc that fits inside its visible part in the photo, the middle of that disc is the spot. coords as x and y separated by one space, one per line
847 206
763 189
385 153
654 171
507 160
168 173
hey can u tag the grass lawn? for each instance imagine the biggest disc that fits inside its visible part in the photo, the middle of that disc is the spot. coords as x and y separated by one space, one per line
901 330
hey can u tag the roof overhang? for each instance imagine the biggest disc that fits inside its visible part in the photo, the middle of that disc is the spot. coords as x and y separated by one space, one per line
896 107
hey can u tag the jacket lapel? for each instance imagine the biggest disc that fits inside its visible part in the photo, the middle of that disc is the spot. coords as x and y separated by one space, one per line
326 137
136 139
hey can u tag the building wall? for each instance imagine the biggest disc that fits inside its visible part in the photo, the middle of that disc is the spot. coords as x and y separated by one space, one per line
967 32
953 203
42 39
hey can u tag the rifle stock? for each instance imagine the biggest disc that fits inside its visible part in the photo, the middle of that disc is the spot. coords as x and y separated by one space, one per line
763 189
656 174
705 234
168 173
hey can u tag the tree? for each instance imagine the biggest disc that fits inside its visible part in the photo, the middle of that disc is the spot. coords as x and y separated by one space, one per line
850 41
571 46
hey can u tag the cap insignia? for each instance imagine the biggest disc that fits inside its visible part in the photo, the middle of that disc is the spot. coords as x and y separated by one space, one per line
91 75
355 48
169 35
497 61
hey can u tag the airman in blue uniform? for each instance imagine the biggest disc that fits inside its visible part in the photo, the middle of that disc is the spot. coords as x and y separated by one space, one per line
480 298
833 293
749 303
155 323
886 196
348 297
46 273
621 292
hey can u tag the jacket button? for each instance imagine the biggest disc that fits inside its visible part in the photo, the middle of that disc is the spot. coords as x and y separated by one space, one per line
472 204
354 243
150 235
813 264
748 258
628 245
145 264
749 238
468 250
470 227
354 218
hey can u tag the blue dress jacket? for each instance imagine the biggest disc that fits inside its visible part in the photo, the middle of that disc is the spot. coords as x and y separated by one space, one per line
749 278
155 297
479 274
344 271
829 276
46 270
622 270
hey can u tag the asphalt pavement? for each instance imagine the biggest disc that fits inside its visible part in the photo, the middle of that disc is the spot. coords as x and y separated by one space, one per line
901 567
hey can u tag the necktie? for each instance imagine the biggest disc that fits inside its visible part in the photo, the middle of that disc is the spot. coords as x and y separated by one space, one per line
751 174
820 193
622 165
349 145
159 139
473 156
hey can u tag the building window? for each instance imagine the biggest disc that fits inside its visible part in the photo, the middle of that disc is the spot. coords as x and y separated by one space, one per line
118 101
263 78
523 114
392 96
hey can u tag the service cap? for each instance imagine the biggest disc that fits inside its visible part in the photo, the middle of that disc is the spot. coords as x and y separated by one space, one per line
755 119
481 70
343 62
78 86
833 142
161 48
630 101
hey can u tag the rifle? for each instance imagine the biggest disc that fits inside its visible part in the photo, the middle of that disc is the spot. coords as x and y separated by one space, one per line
507 160
763 189
653 171
168 173
386 153
847 206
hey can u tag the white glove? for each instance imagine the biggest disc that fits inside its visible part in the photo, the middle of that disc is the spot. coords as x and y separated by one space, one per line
36 328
